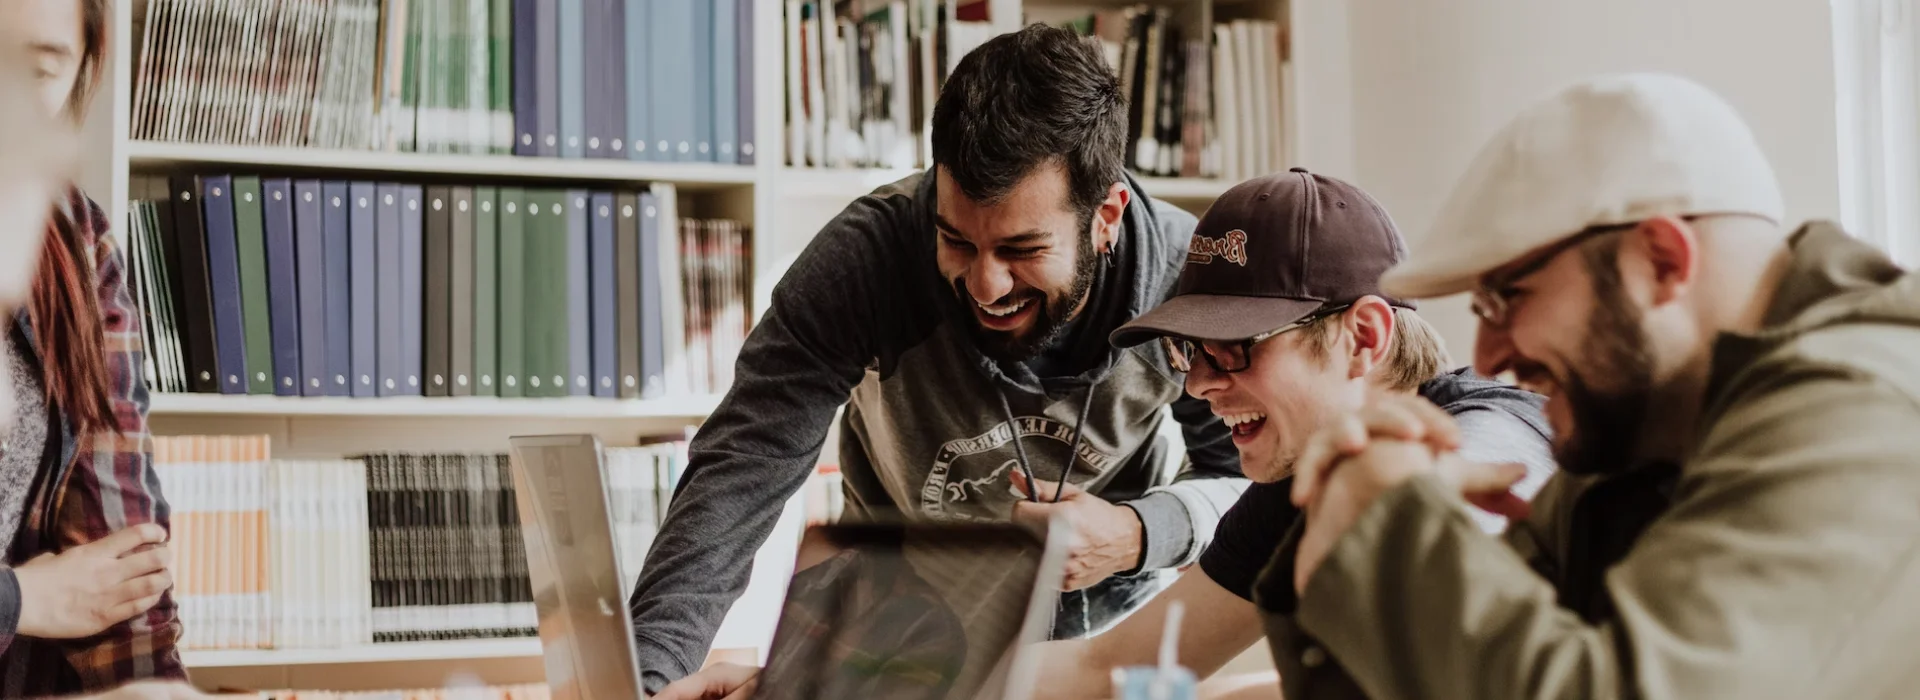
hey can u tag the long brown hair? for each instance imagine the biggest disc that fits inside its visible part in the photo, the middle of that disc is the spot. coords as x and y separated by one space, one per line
64 308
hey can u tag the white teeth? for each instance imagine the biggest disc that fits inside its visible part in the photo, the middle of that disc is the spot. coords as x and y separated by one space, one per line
1237 419
1003 310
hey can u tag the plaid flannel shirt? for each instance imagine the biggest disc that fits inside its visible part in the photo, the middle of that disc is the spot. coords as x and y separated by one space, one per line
90 487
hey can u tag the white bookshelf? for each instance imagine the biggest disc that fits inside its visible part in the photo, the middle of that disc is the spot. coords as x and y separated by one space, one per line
690 176
783 205
401 407
199 659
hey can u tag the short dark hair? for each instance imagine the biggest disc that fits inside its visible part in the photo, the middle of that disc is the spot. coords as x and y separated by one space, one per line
1027 98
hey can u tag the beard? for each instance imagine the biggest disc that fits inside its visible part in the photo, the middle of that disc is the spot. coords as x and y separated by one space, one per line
1607 421
1051 312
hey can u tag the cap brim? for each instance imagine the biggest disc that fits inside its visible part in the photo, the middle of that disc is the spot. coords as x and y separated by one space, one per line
1213 317
1418 281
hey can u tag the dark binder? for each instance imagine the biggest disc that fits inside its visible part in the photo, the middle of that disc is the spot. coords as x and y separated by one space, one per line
638 80
486 291
600 260
670 82
283 285
251 246
653 347
572 90
546 67
195 302
578 362
223 281
361 240
699 50
526 103
513 292
626 293
412 268
438 317
460 302
310 240
743 81
388 209
606 79
725 112
334 213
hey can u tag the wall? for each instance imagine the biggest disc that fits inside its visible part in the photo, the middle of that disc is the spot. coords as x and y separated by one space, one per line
1434 79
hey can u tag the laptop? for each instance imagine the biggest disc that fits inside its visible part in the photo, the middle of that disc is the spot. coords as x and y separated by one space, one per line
888 610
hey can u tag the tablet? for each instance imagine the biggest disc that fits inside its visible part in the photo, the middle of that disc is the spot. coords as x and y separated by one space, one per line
914 611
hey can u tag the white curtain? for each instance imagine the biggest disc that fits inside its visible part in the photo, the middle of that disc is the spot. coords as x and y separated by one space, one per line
1879 124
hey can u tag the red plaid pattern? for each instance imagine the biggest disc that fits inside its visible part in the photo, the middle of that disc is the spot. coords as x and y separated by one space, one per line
106 485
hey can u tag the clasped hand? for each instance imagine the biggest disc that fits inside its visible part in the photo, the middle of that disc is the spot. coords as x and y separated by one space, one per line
1106 537
1358 457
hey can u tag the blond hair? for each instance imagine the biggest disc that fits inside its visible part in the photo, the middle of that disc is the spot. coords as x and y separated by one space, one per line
1414 355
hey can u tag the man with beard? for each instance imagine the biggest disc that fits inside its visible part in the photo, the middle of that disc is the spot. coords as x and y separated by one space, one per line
1735 411
962 317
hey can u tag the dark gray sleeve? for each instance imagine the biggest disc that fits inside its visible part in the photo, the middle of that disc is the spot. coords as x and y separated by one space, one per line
9 608
1178 520
760 445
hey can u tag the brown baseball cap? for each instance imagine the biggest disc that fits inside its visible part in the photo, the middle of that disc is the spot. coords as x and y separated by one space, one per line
1271 251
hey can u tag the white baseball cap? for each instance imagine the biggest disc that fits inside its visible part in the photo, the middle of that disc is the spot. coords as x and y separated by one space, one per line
1614 149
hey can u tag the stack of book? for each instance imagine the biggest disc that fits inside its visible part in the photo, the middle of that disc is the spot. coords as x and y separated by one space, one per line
658 80
1206 105
863 76
310 287
530 691
377 548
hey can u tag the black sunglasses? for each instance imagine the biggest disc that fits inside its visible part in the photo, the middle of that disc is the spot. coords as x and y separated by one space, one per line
1228 357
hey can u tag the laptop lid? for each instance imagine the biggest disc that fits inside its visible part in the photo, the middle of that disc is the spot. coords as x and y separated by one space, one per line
586 635
914 611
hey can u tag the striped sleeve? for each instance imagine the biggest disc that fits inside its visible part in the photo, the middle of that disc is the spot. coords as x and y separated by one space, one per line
112 484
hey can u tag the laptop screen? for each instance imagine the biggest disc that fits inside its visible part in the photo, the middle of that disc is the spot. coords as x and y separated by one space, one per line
907 612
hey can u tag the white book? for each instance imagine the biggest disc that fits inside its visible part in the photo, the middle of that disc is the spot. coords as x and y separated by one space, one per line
672 298
1282 99
816 88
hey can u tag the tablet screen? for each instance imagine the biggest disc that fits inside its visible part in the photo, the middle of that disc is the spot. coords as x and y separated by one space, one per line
906 612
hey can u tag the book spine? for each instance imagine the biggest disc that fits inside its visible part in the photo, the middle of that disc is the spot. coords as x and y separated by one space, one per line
338 261
362 238
600 261
283 285
412 268
250 245
513 271
578 360
486 295
388 300
223 280
310 239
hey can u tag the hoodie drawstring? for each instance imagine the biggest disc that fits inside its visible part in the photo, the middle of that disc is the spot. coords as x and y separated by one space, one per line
1073 448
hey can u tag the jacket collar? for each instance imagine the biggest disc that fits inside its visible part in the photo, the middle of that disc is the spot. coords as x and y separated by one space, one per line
1830 278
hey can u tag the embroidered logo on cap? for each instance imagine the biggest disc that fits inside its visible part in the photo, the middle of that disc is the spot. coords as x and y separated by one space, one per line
1232 247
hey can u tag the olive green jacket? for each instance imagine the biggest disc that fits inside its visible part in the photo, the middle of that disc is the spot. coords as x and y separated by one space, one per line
1781 559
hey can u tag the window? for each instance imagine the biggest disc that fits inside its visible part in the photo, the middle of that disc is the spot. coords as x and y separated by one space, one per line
1877 83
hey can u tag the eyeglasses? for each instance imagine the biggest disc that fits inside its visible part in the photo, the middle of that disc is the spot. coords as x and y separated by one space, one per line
1493 302
1231 356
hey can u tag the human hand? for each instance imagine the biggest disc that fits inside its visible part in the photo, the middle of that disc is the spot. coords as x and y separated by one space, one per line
1107 537
721 681
89 588
1350 489
1397 417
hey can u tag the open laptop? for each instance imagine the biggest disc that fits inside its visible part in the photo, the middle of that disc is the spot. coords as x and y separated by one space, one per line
895 610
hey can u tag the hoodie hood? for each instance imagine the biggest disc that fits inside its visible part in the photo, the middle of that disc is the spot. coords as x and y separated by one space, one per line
1831 280
1138 275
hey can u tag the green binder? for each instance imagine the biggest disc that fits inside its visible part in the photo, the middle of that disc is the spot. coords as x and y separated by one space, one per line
250 236
512 332
486 317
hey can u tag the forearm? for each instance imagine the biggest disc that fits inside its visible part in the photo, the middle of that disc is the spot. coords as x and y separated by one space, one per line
1522 644
1178 520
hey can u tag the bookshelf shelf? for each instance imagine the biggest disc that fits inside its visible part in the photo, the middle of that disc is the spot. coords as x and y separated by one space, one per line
695 176
692 407
370 653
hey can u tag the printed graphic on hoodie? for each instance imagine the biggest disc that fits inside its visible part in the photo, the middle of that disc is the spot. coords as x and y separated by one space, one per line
969 479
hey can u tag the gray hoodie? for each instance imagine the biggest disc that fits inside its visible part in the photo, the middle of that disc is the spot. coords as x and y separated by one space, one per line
864 318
